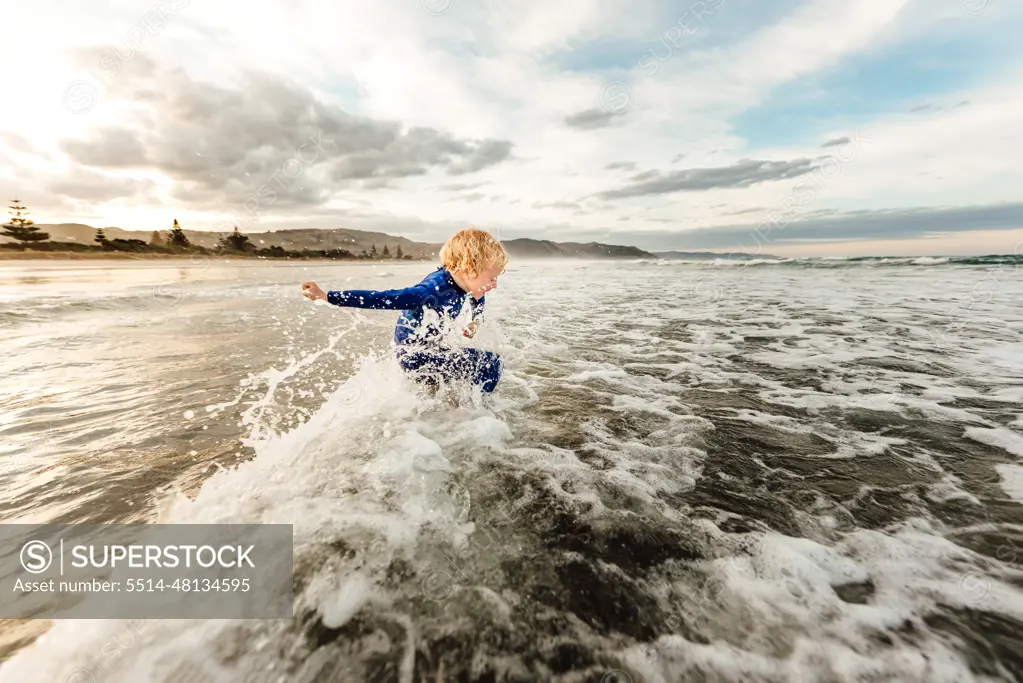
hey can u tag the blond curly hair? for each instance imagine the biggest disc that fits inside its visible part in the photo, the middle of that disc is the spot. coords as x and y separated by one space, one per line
471 250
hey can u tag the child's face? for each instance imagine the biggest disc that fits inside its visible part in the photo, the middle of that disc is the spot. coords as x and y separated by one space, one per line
482 282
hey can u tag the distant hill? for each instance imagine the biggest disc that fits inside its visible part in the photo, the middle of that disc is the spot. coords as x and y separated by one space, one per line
529 248
354 241
710 256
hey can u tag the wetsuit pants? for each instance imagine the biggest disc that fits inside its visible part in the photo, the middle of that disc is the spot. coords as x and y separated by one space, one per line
482 368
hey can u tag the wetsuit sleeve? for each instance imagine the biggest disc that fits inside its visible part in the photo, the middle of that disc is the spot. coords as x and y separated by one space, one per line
477 309
386 300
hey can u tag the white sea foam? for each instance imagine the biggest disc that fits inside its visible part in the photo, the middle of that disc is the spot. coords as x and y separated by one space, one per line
333 478
1003 438
1012 480
778 615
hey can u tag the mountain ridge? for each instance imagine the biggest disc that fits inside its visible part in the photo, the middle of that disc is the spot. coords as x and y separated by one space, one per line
355 241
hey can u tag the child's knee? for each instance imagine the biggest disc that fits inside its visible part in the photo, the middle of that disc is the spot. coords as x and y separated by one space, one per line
488 371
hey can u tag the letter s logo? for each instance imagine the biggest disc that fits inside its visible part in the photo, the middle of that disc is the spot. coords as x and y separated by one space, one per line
36 557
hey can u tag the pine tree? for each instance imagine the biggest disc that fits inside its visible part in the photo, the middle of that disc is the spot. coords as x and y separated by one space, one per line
101 236
177 236
21 228
236 241
157 239
397 252
386 252
373 250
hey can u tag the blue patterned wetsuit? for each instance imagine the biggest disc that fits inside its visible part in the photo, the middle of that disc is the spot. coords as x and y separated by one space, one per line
419 335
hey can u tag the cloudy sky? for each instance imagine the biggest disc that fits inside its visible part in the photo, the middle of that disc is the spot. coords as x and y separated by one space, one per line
808 127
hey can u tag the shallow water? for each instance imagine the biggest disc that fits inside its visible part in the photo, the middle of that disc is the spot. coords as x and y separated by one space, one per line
690 472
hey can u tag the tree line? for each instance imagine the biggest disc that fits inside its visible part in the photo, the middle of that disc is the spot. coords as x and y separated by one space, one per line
28 236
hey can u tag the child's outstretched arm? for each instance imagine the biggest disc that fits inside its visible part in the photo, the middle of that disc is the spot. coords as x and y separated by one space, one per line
387 300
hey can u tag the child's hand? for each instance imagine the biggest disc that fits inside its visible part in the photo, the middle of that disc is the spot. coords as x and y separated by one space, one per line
470 330
311 290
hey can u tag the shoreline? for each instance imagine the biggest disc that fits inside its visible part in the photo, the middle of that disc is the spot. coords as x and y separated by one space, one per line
131 256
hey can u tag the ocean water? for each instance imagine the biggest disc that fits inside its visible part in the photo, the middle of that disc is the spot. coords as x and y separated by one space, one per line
790 471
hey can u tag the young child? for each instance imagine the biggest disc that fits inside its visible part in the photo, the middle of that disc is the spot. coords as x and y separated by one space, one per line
472 260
